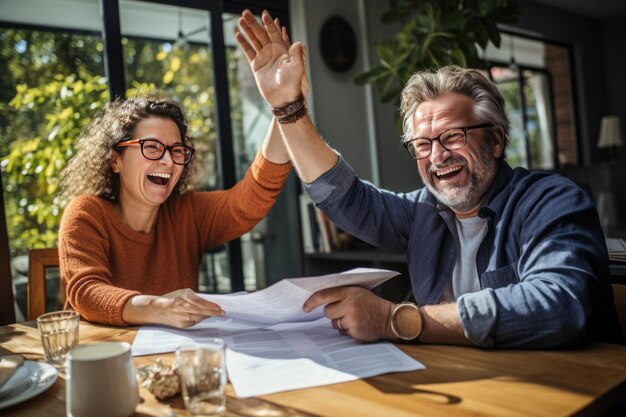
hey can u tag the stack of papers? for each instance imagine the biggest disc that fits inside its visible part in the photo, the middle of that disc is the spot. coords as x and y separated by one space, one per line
273 345
617 249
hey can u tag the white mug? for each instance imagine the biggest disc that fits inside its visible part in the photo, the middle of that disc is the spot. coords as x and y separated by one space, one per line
100 381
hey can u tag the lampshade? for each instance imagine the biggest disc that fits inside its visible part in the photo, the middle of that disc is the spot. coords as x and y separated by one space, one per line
610 133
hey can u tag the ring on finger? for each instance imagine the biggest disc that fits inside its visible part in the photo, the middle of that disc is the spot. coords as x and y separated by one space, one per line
189 318
339 325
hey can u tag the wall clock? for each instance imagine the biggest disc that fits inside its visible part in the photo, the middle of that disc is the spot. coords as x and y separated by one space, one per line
338 44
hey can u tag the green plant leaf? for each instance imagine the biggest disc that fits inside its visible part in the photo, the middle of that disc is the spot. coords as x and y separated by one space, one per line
484 7
372 76
493 33
390 94
452 22
386 51
459 57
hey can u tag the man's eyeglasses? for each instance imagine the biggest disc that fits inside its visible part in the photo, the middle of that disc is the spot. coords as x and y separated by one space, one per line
154 150
450 139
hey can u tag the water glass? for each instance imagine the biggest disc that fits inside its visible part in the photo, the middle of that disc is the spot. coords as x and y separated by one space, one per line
59 334
202 371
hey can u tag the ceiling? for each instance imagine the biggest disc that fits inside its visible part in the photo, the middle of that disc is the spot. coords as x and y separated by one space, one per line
597 9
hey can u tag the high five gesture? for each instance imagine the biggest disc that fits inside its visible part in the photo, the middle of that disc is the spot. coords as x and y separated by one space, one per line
278 66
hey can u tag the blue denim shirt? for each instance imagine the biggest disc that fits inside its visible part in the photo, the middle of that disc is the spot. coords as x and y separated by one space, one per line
543 265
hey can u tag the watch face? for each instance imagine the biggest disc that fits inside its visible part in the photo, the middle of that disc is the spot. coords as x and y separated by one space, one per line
338 44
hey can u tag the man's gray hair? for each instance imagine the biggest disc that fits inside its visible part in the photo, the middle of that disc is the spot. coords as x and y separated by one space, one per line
432 84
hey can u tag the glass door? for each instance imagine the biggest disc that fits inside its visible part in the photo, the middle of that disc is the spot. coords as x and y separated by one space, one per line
271 251
168 47
175 49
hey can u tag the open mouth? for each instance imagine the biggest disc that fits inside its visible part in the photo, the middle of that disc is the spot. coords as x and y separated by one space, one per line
447 172
159 178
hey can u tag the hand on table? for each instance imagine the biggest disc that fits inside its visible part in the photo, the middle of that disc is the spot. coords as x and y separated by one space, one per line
181 308
354 311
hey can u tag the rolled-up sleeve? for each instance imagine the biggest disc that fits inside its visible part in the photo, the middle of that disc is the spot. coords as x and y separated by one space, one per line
478 312
547 302
333 184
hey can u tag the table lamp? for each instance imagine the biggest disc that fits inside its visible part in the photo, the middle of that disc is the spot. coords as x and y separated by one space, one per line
610 134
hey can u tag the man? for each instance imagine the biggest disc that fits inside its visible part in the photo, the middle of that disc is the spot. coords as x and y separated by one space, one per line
497 257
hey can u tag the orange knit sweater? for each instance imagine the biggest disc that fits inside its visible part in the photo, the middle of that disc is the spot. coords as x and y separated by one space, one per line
104 262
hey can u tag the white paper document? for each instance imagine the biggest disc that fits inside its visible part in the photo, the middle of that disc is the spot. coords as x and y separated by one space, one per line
282 302
263 361
273 346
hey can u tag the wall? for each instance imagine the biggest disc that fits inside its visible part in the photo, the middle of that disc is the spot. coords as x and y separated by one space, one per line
339 106
348 116
398 171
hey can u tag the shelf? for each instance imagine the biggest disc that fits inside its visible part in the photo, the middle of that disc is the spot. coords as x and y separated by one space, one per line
361 256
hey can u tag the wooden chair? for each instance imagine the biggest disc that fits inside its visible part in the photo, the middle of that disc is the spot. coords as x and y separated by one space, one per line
38 261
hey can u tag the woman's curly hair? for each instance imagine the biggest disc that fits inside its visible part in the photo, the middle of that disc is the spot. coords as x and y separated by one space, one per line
89 172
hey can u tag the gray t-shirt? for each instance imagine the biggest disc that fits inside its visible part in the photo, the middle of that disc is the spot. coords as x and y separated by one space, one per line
471 232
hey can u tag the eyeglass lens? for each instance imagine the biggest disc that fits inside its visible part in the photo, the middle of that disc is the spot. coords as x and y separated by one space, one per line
153 149
451 140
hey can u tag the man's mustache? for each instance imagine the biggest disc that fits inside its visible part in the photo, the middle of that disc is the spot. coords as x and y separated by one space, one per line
457 160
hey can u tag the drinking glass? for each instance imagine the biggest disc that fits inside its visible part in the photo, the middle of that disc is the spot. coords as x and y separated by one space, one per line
59 334
202 371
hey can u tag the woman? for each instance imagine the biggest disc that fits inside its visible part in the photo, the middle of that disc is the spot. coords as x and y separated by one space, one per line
133 236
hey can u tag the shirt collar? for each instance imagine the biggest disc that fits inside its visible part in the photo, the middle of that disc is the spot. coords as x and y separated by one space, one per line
495 199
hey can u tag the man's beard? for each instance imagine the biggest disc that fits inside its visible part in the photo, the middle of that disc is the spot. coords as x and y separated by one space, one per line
463 198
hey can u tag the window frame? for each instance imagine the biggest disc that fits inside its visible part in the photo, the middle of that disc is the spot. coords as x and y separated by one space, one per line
574 97
114 71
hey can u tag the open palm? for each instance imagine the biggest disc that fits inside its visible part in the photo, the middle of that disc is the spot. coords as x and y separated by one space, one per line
278 67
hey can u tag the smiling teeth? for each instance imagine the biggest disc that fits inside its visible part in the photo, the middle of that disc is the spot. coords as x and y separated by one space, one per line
160 174
448 170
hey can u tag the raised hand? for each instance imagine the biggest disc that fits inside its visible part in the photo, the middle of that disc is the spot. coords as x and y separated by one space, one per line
305 79
278 67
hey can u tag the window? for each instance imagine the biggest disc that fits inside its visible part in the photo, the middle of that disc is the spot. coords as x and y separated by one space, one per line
534 79
56 79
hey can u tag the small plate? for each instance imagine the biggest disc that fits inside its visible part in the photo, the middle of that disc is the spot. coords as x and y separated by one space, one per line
20 377
42 376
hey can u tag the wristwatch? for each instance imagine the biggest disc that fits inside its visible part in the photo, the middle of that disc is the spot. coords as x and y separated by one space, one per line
392 321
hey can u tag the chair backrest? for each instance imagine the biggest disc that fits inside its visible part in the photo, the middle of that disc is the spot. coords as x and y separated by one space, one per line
38 261
619 292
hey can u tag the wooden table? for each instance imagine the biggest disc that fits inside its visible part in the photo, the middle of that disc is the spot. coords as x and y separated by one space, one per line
457 382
